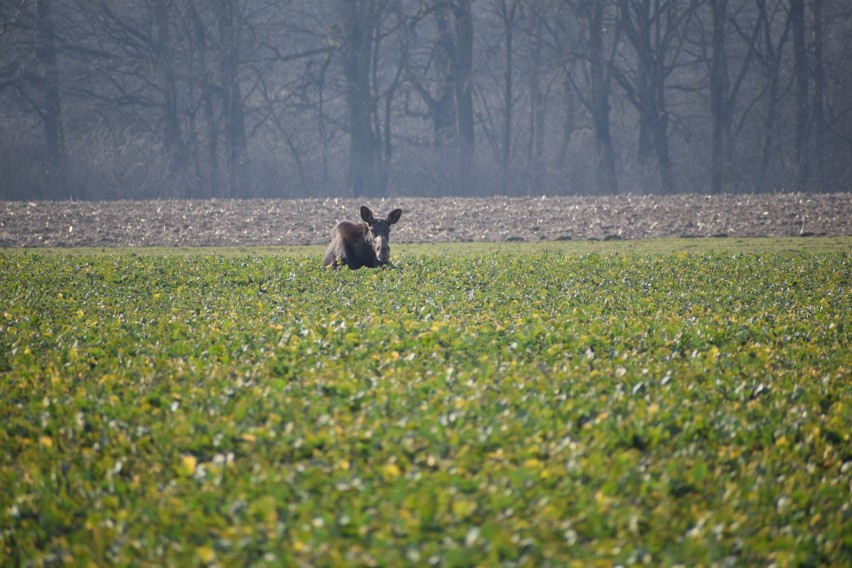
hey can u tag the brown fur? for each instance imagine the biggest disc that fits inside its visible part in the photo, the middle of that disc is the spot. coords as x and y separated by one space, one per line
361 244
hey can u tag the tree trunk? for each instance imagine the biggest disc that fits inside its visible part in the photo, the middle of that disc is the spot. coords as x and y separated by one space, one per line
600 108
441 104
818 106
357 53
238 175
52 113
173 142
718 86
569 124
507 14
212 177
464 94
772 65
661 143
651 29
538 116
800 58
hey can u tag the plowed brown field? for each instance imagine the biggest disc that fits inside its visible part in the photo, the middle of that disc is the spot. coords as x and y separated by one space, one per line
296 222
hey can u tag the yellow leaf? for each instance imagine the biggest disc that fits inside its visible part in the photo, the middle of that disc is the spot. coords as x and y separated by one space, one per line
205 554
462 508
187 465
391 471
251 438
602 499
46 441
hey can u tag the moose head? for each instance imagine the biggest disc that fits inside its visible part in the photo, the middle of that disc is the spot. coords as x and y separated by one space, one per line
362 244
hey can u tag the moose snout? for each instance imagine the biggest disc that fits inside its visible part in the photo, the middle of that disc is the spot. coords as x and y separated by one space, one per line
382 249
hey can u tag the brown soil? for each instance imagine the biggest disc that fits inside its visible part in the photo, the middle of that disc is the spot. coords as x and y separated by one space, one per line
297 222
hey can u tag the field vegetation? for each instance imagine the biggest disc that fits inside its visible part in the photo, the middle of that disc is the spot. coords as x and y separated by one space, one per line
542 405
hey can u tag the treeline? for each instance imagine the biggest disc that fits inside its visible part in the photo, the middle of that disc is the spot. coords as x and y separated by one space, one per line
108 99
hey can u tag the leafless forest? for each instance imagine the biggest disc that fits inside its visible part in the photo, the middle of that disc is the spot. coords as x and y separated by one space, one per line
141 99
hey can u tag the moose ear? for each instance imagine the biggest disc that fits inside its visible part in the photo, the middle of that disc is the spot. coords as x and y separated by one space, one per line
393 216
367 215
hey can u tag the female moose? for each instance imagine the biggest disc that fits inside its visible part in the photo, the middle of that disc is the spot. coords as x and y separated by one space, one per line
361 244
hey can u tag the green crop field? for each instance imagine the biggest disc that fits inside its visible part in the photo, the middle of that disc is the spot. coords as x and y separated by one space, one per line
598 405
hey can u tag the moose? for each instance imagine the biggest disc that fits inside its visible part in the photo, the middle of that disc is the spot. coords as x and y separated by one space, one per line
361 244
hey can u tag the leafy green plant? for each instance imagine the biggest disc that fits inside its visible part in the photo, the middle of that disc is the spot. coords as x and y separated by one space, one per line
471 409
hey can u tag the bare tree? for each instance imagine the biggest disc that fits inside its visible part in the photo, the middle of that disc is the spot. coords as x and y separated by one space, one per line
599 41
164 52
769 50
556 47
540 61
131 63
359 23
800 71
30 47
463 83
230 31
52 116
444 83
207 168
655 31
508 13
724 91
819 92
433 78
